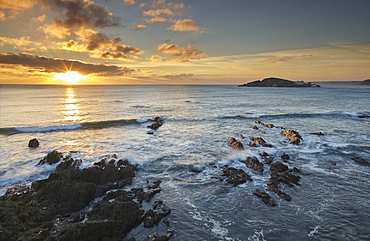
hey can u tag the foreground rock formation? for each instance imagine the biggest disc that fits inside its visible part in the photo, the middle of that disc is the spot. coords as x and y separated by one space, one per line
65 206
277 82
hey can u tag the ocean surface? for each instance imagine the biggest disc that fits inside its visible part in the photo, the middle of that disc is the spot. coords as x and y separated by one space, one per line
92 122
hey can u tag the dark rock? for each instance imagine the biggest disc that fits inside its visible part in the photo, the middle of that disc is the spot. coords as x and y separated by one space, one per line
70 163
254 164
158 122
263 124
150 133
285 156
319 133
364 116
361 161
365 82
292 136
268 159
278 167
277 82
235 144
153 216
33 143
195 170
266 198
235 176
156 237
258 141
51 158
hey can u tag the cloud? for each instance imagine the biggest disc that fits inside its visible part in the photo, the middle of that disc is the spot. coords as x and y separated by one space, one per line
185 25
163 4
158 12
141 27
17 4
129 2
155 58
49 65
100 45
55 31
23 43
186 52
82 14
40 18
156 20
275 60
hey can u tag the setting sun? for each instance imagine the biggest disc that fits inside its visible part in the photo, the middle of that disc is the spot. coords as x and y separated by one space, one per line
69 77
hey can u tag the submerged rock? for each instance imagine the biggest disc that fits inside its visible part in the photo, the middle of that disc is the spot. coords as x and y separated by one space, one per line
33 143
235 144
319 133
266 198
361 161
158 122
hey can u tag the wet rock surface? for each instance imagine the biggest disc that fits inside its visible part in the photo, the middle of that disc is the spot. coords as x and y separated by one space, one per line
254 164
235 144
361 161
33 143
51 158
78 204
235 176
292 136
158 122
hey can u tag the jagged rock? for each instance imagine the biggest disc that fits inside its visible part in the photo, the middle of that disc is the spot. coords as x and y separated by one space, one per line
361 161
31 212
33 143
266 198
51 158
235 144
153 216
254 164
278 167
292 136
158 122
157 237
263 124
235 176
258 141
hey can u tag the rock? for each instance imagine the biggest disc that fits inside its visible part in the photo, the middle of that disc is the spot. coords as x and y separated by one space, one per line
365 82
235 176
361 161
235 144
258 141
364 116
51 158
277 82
278 167
292 136
33 143
265 197
319 133
158 122
156 237
263 124
285 156
153 216
253 163
56 208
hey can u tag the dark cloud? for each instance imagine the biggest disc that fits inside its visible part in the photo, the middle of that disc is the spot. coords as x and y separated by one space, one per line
50 65
82 14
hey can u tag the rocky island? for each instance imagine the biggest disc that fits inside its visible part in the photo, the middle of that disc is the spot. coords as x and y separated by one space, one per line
365 82
277 82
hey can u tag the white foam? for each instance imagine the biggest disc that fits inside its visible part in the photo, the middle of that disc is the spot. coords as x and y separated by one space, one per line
315 230
142 121
250 116
48 128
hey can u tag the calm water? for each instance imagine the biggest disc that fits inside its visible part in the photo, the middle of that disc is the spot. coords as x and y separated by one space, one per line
332 202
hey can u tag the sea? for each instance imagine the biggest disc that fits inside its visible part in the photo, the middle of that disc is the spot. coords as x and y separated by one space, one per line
188 151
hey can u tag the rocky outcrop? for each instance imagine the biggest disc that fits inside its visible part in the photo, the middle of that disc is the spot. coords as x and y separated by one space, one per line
33 143
65 206
254 164
319 133
258 141
266 198
235 176
292 136
278 82
51 158
365 82
263 124
158 122
235 144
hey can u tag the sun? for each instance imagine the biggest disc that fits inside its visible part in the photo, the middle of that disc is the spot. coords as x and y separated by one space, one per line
70 77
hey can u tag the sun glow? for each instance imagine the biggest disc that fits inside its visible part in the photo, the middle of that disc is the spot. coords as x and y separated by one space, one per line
70 77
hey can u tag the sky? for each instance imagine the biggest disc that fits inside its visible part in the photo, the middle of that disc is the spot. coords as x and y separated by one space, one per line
196 42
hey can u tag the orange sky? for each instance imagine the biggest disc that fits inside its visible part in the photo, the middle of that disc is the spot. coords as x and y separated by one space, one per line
182 42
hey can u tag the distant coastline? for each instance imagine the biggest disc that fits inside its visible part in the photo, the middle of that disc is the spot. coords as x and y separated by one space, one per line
278 82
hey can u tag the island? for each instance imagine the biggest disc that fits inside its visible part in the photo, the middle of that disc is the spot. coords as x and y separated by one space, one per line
365 82
278 82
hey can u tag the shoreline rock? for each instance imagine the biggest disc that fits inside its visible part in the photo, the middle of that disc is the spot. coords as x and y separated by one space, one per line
33 143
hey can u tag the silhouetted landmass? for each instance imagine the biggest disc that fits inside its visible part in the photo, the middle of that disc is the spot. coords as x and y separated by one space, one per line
277 82
365 82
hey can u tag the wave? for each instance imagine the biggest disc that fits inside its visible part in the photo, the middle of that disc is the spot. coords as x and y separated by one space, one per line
72 127
356 115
